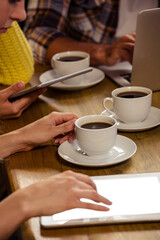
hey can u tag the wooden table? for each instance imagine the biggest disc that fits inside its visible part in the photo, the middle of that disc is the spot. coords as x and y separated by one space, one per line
25 168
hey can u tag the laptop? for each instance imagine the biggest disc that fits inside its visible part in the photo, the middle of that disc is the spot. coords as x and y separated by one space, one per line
145 70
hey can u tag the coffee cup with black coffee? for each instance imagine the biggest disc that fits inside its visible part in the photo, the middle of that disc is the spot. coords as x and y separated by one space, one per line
96 134
129 104
68 62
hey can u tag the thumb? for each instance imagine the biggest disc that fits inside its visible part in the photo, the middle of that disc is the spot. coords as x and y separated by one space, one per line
64 128
6 93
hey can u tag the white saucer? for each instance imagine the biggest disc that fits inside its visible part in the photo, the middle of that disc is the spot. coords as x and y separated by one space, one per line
123 150
90 79
153 120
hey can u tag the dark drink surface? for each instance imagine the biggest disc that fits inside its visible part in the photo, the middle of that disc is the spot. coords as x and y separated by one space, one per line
96 125
132 94
70 58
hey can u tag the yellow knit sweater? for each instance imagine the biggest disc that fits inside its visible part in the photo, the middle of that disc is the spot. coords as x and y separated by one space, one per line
16 60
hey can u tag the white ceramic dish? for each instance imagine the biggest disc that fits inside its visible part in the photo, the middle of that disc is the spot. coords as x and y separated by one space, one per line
123 150
91 79
153 120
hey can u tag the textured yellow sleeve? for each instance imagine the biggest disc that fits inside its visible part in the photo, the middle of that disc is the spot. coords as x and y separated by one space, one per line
16 60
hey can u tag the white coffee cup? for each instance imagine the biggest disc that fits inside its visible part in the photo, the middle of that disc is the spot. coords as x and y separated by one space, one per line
129 110
96 141
68 62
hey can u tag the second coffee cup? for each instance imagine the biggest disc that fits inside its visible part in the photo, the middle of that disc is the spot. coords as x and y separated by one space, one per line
68 62
96 134
130 104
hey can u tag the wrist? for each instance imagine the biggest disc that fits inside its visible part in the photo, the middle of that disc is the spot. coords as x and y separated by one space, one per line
14 211
28 203
11 143
24 205
99 54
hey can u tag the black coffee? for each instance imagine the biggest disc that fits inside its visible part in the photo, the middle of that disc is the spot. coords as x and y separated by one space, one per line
96 125
70 58
132 94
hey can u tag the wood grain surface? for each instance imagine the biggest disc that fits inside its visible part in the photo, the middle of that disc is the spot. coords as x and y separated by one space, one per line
28 167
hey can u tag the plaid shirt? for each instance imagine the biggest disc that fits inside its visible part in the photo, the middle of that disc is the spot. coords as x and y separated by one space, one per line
83 20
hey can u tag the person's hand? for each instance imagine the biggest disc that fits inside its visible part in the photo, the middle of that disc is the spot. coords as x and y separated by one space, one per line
15 109
121 50
63 192
55 126
53 195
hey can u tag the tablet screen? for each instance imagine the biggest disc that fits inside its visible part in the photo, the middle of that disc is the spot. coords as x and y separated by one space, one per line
134 196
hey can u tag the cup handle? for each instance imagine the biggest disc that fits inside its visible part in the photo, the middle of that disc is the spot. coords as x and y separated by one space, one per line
52 64
110 110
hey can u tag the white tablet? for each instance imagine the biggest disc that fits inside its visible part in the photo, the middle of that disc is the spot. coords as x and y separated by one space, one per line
135 198
48 83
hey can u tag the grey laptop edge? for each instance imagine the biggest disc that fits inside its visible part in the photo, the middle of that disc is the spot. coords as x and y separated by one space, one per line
145 70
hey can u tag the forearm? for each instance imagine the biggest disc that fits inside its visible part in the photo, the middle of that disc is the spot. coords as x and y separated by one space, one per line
11 143
13 211
60 44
